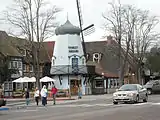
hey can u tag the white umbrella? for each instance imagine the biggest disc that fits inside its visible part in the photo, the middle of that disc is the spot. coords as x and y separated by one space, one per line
47 79
26 79
32 79
19 80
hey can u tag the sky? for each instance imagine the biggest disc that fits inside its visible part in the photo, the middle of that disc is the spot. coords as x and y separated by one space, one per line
91 12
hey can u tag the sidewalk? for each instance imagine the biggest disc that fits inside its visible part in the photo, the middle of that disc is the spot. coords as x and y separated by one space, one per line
73 99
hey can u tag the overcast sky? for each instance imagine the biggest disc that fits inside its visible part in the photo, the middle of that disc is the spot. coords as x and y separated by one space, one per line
91 12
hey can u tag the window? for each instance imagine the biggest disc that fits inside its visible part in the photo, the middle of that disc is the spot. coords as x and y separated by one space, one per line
20 65
96 57
113 83
31 68
99 84
24 52
18 85
75 64
13 64
24 67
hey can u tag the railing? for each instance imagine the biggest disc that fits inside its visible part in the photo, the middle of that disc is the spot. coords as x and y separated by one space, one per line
69 69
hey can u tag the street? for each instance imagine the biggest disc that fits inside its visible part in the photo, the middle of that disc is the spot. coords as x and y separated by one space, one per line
100 109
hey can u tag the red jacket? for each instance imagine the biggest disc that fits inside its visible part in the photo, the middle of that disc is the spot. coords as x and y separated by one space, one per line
54 90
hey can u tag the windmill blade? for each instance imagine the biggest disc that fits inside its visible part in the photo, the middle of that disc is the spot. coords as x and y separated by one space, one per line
89 31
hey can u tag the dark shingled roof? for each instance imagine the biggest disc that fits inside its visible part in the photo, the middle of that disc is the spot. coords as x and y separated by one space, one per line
67 28
6 47
109 61
13 46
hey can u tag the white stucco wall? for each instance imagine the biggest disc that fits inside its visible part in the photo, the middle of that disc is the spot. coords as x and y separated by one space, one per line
64 44
61 50
64 82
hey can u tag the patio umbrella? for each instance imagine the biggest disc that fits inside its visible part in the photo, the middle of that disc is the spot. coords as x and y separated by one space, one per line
26 79
47 79
19 80
32 79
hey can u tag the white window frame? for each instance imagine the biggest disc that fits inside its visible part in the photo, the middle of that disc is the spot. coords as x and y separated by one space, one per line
24 67
24 52
98 58
31 66
20 65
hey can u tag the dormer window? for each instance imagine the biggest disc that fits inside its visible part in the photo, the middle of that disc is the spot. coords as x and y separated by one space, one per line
97 57
24 52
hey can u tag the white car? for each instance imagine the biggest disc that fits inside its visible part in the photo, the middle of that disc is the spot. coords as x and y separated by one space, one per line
130 93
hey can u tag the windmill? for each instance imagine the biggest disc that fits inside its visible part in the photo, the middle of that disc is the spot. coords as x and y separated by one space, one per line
87 30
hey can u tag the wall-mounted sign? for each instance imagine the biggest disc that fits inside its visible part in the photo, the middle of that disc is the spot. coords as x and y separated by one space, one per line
73 49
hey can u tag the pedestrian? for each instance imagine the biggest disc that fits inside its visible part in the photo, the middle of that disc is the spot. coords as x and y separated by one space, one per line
27 96
1 92
44 95
37 95
54 92
79 92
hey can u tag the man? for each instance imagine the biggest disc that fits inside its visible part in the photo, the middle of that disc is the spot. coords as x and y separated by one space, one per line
27 96
44 95
54 92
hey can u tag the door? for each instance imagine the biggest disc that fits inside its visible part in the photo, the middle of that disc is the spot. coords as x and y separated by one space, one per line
74 86
156 86
141 91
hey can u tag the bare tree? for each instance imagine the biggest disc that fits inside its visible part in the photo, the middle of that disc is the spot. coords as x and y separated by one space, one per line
35 22
133 31
144 37
114 25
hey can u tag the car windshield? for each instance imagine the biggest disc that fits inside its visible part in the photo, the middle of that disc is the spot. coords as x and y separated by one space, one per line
150 82
128 87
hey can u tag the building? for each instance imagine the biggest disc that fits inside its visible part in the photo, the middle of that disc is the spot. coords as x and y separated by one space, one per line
101 63
16 61
68 62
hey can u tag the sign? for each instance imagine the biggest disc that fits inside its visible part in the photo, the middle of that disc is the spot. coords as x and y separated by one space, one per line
73 49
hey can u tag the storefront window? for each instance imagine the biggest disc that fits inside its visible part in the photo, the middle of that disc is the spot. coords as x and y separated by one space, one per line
113 83
99 84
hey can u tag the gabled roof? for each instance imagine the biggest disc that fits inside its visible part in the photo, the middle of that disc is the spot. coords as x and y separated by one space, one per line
6 47
109 60
13 46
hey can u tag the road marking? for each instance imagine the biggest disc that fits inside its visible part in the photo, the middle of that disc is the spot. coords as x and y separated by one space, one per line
155 103
139 104
23 111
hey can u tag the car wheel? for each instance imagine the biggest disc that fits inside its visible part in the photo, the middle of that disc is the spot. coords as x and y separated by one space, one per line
146 99
115 103
149 91
137 99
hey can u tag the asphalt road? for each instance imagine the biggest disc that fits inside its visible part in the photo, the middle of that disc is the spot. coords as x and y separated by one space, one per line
89 110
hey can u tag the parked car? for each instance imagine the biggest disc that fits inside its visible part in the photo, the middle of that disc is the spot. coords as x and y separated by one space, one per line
152 86
2 102
130 93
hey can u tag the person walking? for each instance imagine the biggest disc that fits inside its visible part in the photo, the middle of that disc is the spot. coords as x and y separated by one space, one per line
44 95
37 95
79 92
54 92
1 92
27 96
